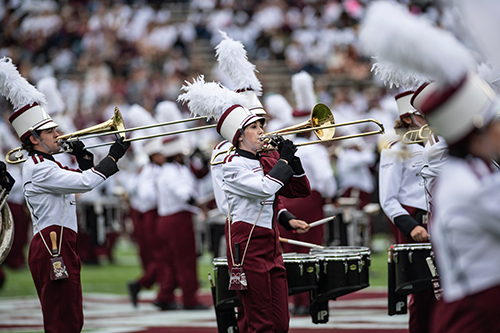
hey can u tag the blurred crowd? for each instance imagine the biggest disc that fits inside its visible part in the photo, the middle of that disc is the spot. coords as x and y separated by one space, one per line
135 55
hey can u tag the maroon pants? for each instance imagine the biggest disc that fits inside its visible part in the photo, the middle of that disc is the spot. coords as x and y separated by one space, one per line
22 221
308 209
421 308
178 258
421 305
61 300
475 313
149 249
265 302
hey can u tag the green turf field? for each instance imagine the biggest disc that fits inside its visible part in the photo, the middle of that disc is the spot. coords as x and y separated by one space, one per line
113 277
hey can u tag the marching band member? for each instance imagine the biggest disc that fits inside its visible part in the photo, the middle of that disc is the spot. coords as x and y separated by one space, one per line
402 199
402 196
251 182
316 164
49 189
435 150
232 59
177 242
465 232
16 258
6 183
145 193
353 171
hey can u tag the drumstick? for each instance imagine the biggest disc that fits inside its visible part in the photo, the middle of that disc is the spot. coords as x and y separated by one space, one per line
319 222
299 243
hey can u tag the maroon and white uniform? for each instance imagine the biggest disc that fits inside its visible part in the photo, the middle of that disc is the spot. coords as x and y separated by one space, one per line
49 191
176 189
466 239
402 198
250 184
401 190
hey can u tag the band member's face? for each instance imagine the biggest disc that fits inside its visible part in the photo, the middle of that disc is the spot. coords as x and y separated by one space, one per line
49 139
493 132
250 139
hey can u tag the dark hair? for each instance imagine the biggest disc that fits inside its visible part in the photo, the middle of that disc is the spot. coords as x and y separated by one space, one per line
401 127
27 145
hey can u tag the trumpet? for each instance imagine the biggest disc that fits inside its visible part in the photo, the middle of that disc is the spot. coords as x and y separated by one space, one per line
113 126
321 122
417 136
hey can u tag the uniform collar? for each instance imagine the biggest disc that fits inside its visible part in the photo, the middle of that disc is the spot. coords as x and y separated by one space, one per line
247 154
44 155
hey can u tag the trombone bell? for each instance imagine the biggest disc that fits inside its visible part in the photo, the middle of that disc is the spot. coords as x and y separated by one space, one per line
115 123
321 116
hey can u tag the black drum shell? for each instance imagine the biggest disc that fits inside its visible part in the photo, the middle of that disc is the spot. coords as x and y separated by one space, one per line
364 252
338 275
301 272
412 273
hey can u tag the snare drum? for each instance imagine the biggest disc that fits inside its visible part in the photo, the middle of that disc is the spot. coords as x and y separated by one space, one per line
364 252
224 297
339 274
412 273
300 272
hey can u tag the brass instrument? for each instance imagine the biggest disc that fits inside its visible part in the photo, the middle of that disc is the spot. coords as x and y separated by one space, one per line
6 226
322 123
113 126
417 136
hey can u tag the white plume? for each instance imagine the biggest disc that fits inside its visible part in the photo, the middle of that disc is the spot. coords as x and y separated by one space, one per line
208 99
16 88
396 76
395 36
233 60
489 73
303 89
48 87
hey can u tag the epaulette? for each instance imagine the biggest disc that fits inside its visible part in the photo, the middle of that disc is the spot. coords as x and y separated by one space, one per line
220 144
229 158
392 143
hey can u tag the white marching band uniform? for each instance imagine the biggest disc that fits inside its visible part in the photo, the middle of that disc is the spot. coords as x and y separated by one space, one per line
49 190
399 179
317 166
433 158
248 190
216 170
353 169
466 221
176 186
143 192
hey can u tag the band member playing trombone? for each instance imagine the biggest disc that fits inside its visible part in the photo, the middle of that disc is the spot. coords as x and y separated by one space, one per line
251 183
49 190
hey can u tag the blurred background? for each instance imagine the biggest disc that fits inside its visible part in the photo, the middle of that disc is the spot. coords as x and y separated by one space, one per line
124 53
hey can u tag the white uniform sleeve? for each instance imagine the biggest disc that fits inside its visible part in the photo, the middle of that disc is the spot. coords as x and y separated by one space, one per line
247 183
390 175
488 204
50 178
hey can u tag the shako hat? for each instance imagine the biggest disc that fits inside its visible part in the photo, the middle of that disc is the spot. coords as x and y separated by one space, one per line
456 111
26 100
214 101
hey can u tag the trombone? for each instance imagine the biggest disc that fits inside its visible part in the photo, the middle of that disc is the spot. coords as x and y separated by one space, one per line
417 136
113 126
321 122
